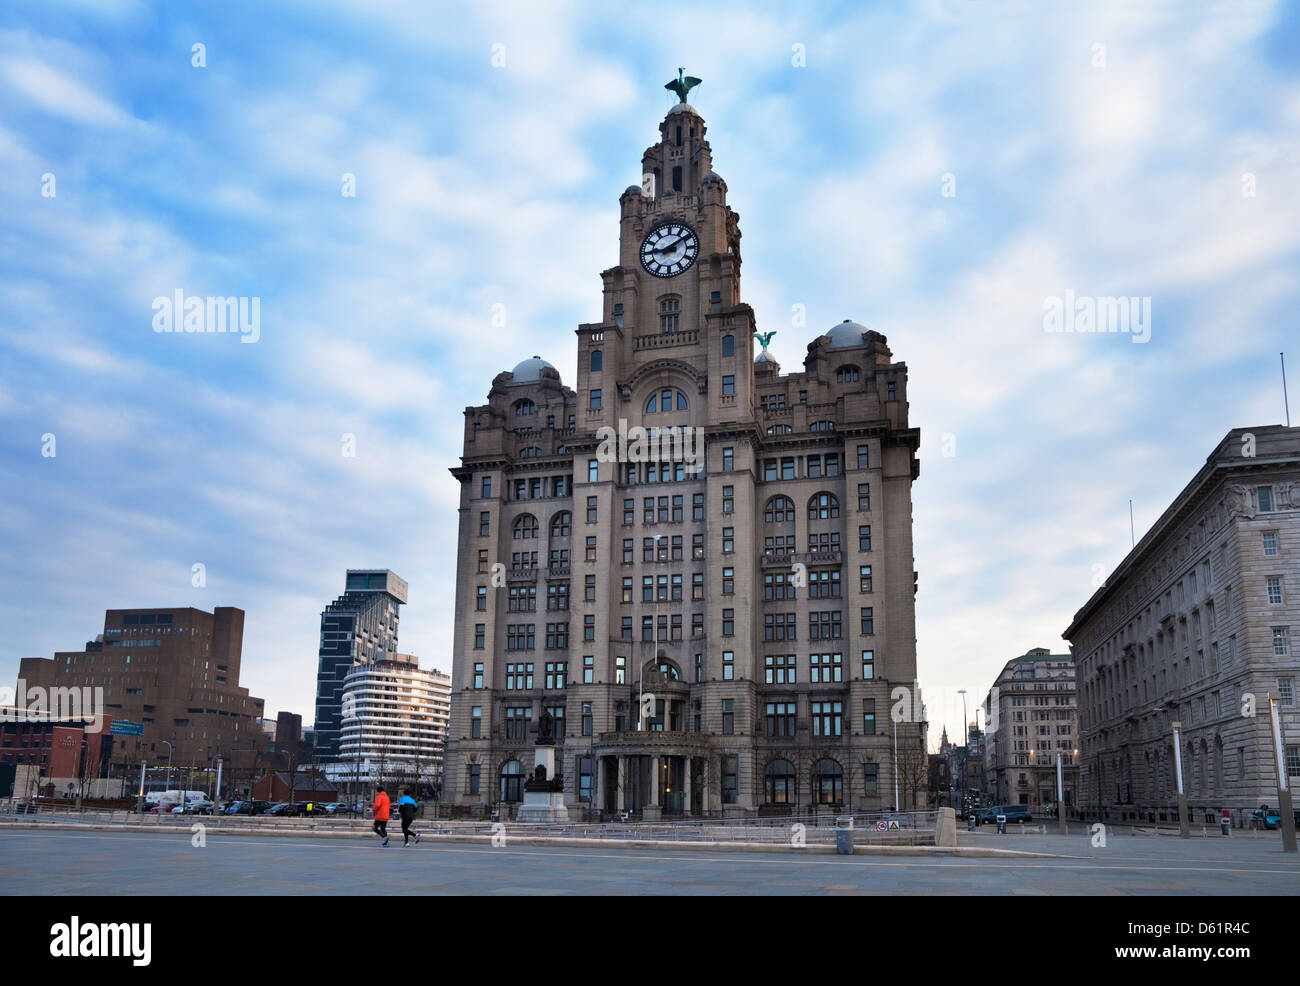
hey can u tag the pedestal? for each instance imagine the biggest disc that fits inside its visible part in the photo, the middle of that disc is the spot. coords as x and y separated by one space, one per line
544 791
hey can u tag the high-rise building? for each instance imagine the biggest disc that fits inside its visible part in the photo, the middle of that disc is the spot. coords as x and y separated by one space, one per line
713 611
1032 712
358 627
394 724
175 672
1197 626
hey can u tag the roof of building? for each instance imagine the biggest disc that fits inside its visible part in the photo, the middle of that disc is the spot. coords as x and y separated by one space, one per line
530 370
846 335
306 783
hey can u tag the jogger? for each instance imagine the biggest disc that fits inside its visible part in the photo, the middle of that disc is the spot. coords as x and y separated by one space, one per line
381 808
406 809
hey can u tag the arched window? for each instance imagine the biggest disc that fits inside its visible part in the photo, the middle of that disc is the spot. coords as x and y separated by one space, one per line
597 361
779 510
848 374
779 783
532 452
779 430
663 401
512 781
823 506
525 526
560 526
525 407
670 313
728 346
669 670
822 426
830 782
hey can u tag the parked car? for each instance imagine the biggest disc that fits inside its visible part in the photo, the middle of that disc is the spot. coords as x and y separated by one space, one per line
194 808
282 809
1271 818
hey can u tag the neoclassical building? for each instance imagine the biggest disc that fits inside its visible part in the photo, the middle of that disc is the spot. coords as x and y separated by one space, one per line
716 623
1198 626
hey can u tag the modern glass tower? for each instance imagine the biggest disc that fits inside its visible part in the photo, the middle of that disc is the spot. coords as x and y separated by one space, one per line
359 627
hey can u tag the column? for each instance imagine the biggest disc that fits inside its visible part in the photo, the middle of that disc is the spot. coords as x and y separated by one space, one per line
597 768
686 788
622 783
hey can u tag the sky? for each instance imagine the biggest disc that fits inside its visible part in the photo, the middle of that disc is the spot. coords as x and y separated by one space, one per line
938 171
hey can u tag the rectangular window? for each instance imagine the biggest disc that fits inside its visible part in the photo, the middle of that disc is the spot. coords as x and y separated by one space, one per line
779 669
728 581
620 667
728 540
868 665
593 470
1265 496
864 496
476 722
728 622
869 778
594 404
780 717
591 549
589 588
478 675
591 510
1281 642
1270 543
487 487
864 457
864 578
480 633
629 511
864 537
728 459
728 716
627 551
480 598
730 770
557 674
588 669
825 668
484 523
1275 590
827 718
868 717
728 386
586 719
728 665
1286 691
728 499
589 627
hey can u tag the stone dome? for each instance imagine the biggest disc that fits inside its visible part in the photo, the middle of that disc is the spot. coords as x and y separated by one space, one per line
530 370
684 108
711 177
848 333
764 357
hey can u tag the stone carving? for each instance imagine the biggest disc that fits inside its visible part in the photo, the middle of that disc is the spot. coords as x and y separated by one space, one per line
683 85
1240 502
546 729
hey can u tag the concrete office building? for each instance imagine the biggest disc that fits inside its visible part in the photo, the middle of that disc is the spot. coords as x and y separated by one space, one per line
714 641
1198 626
175 672
1033 715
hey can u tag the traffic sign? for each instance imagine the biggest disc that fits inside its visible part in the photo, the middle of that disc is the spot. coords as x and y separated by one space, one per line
120 727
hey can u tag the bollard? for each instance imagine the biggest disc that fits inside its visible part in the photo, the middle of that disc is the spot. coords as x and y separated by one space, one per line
1225 823
1002 825
844 835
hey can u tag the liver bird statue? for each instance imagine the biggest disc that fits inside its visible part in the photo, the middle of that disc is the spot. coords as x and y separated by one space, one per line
683 84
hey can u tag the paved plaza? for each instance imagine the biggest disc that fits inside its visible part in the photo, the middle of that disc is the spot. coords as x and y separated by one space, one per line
35 861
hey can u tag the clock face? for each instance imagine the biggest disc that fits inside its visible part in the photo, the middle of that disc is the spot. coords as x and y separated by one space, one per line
669 249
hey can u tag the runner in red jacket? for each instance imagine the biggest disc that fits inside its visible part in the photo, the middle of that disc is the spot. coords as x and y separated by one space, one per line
380 809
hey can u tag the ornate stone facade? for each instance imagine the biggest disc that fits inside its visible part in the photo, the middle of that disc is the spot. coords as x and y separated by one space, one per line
713 641
1198 625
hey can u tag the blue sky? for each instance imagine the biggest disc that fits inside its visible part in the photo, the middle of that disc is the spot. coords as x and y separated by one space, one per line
1106 171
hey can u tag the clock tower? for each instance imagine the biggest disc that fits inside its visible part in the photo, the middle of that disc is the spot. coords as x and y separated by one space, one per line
722 626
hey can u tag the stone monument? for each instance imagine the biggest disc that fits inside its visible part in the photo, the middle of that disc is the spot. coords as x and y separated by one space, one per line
544 790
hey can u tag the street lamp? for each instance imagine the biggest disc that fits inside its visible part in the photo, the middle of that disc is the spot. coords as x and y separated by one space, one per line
169 767
965 749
